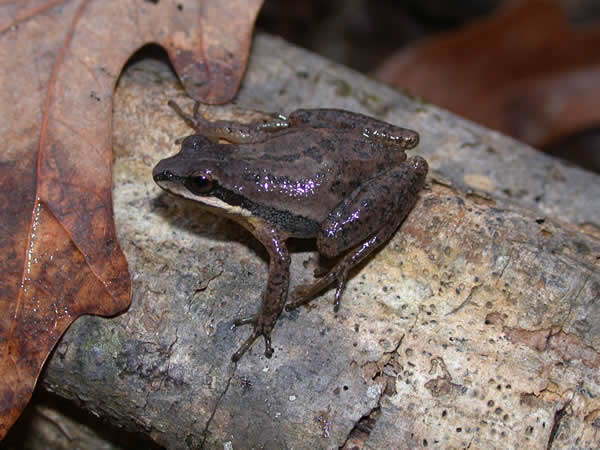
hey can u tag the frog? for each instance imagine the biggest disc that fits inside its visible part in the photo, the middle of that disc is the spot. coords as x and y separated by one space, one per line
336 176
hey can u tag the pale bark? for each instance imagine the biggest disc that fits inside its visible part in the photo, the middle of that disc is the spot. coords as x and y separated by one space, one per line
477 324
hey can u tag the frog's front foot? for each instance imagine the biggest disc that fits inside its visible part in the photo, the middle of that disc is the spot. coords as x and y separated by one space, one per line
259 330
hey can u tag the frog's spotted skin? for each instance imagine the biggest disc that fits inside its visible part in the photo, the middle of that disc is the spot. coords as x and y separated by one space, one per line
337 176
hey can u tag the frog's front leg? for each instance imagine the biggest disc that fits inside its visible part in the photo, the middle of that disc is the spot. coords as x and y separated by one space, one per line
234 132
363 222
277 287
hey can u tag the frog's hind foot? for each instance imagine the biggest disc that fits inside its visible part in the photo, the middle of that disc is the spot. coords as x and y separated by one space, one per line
305 293
196 121
256 333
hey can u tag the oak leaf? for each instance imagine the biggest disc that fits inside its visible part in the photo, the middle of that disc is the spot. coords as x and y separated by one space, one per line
524 70
60 257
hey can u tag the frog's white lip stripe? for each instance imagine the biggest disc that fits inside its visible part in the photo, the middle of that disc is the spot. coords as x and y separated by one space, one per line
241 208
210 201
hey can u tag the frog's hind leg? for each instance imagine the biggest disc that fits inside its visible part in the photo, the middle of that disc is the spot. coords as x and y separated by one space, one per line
362 222
195 120
230 130
338 119
339 274
189 120
211 130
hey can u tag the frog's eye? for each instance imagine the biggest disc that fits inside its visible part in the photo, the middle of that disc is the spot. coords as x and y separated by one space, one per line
200 184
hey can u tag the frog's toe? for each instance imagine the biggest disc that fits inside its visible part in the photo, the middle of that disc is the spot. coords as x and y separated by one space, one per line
245 346
304 293
341 278
252 320
256 333
301 295
321 270
268 347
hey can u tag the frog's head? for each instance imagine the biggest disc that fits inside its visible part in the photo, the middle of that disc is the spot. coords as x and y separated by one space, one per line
194 172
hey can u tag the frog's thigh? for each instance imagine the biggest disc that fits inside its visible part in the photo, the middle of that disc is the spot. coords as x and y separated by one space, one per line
367 210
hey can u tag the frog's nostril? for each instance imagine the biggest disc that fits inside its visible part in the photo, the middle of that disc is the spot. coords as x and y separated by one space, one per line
412 140
162 175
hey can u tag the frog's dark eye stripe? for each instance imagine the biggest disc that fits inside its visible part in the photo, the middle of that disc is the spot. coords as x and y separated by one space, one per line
200 184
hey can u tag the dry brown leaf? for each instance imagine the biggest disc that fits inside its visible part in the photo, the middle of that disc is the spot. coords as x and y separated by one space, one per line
60 61
524 71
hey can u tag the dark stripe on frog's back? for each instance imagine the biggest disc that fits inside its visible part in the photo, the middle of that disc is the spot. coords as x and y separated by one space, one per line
313 147
294 225
313 152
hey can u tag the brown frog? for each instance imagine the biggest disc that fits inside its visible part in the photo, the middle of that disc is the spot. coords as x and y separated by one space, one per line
337 176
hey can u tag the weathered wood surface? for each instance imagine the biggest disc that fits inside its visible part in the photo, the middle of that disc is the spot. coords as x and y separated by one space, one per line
477 325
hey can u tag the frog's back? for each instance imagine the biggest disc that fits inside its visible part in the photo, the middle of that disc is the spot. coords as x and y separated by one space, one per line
296 179
318 145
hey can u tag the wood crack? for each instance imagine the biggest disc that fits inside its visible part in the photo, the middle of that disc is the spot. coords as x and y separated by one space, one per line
217 404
